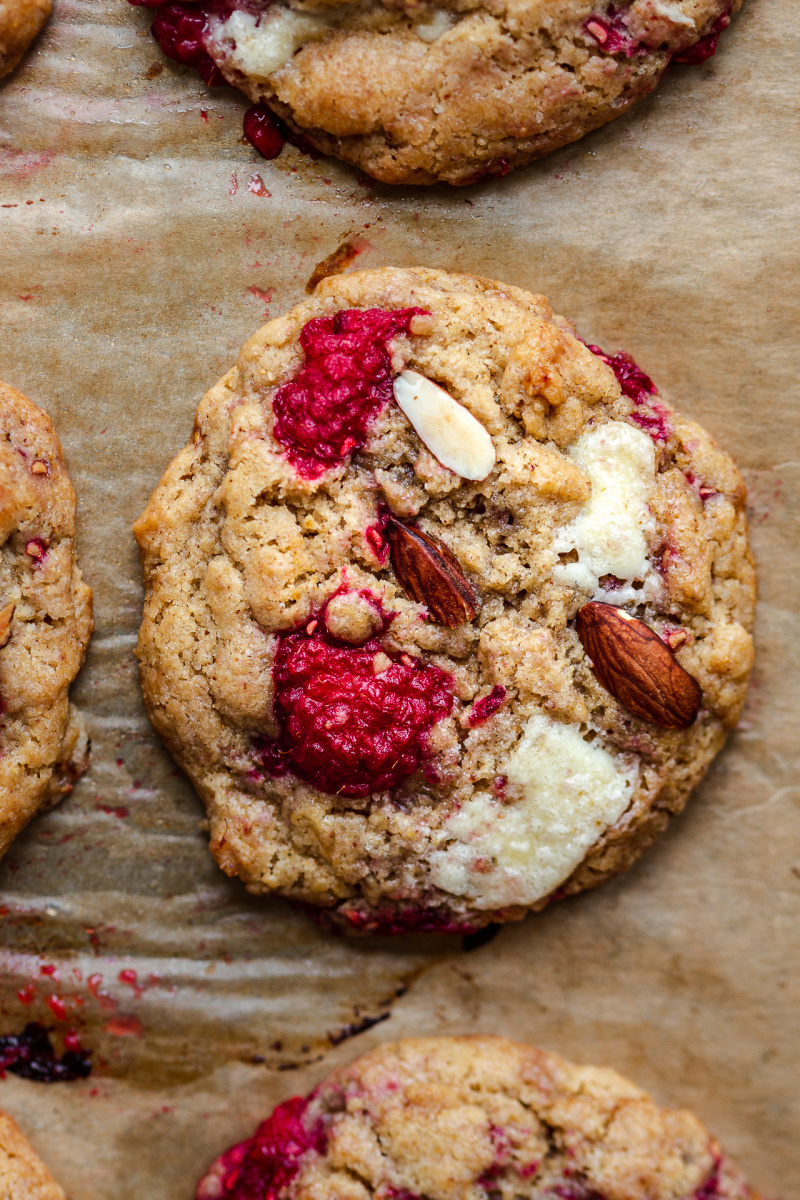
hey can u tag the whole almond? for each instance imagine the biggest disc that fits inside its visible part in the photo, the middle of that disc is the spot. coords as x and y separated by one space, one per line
431 574
6 615
636 667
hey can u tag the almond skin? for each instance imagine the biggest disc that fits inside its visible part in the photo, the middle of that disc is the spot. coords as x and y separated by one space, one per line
637 667
429 573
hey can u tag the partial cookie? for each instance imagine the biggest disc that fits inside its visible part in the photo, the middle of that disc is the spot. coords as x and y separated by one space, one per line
20 22
446 612
45 619
23 1175
469 1118
415 91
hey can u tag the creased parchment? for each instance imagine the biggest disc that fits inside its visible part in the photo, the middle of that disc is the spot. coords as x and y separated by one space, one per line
140 244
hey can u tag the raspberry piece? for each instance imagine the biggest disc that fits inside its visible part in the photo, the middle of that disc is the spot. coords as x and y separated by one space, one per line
611 33
30 1055
262 132
345 729
651 416
179 28
263 1166
706 47
322 415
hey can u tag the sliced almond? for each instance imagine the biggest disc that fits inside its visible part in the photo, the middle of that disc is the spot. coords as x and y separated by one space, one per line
429 573
6 616
636 667
447 428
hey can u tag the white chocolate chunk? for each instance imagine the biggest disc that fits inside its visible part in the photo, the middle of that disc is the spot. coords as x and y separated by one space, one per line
447 428
504 854
258 45
437 23
610 532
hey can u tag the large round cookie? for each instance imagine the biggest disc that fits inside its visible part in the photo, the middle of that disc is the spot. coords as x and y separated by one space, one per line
23 1175
469 1118
414 91
45 619
20 22
376 667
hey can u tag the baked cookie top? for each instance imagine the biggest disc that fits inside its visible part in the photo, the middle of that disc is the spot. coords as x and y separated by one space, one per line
20 22
45 618
446 612
464 1118
23 1175
415 91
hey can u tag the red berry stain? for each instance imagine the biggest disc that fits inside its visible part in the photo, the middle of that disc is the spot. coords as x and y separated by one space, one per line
707 46
27 995
130 978
121 811
262 131
650 416
263 1166
124 1026
345 729
47 969
486 707
30 1055
94 983
322 415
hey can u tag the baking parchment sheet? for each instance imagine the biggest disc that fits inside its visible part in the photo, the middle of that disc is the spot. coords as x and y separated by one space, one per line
140 244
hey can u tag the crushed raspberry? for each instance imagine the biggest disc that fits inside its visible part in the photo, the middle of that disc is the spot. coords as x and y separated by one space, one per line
36 549
610 32
486 707
30 1055
389 922
711 1189
262 131
345 729
703 490
179 30
707 46
650 416
263 1166
322 415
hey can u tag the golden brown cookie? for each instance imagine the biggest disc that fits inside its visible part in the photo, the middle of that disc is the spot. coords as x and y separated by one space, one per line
45 619
446 612
23 1175
415 91
20 22
475 1118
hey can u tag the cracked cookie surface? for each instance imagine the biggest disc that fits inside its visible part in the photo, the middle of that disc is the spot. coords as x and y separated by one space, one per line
415 91
20 22
354 750
45 619
23 1175
463 1118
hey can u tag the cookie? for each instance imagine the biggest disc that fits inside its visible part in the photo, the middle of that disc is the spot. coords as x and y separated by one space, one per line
413 91
20 22
468 1117
446 612
45 619
23 1175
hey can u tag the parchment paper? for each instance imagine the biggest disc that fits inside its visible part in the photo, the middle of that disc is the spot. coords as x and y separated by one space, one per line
140 244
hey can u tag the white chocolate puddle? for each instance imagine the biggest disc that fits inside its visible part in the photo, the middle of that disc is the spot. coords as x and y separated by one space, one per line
610 533
260 44
504 854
